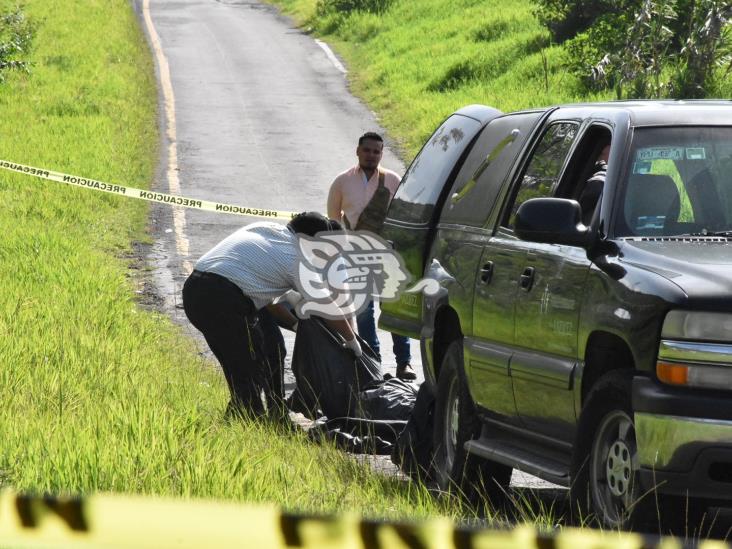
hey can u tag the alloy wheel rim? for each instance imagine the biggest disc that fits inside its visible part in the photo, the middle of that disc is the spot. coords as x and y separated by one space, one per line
451 424
454 423
613 463
618 468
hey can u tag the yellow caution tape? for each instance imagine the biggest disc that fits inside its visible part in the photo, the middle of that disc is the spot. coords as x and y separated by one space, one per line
150 196
126 521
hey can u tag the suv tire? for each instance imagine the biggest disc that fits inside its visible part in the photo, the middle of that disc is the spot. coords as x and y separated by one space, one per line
456 423
604 480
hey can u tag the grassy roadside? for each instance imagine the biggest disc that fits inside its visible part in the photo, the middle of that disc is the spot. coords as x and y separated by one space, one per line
97 394
422 59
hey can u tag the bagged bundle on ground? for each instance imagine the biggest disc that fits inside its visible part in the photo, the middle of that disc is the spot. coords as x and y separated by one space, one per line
356 407
327 375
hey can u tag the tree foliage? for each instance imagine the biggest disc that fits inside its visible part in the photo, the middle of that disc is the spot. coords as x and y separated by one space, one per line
567 18
644 48
708 45
637 66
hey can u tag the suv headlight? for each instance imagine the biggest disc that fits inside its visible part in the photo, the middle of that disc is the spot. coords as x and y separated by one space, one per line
697 326
696 350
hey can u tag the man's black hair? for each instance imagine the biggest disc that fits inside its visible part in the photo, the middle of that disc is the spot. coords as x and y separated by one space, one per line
311 223
373 136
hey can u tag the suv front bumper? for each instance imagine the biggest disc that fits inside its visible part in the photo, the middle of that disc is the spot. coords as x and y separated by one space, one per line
684 440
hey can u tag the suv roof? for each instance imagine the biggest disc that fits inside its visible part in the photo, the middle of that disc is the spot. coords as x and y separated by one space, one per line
654 112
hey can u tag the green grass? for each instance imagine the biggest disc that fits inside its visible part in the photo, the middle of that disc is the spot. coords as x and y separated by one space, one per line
423 59
98 394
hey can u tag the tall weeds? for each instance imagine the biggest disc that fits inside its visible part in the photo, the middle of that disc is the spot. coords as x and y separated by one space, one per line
16 37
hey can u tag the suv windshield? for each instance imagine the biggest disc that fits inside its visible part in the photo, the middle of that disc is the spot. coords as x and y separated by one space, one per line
679 182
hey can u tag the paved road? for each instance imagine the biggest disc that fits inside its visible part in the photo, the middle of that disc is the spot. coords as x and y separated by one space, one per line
263 118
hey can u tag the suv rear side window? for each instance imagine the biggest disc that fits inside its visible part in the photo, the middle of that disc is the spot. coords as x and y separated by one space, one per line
415 199
545 165
479 181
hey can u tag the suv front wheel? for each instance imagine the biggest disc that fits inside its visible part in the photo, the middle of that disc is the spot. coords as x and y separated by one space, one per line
604 480
456 423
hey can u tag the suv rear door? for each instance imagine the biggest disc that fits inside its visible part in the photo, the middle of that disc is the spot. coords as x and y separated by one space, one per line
415 209
465 228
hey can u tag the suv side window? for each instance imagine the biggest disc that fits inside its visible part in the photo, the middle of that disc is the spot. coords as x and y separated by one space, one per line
583 179
419 191
545 166
479 181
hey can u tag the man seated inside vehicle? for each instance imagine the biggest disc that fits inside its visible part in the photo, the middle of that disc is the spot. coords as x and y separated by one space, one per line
590 192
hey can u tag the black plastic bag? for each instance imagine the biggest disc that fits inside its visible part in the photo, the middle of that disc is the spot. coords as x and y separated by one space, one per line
387 430
383 409
328 376
387 400
356 436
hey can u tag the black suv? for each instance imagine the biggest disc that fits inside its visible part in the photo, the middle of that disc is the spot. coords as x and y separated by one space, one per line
582 331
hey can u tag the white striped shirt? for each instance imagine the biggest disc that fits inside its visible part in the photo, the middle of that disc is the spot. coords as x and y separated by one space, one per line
261 259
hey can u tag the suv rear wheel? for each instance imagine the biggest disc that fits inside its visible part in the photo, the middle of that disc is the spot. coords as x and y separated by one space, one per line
456 423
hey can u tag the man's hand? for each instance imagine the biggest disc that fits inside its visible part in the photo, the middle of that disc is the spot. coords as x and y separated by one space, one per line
354 346
343 327
293 298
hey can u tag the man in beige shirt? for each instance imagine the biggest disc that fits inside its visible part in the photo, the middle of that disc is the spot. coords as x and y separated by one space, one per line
350 193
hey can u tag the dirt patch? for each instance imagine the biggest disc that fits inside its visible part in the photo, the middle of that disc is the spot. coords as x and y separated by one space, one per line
140 272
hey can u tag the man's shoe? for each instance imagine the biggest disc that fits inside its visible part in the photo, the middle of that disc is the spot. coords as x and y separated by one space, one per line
405 372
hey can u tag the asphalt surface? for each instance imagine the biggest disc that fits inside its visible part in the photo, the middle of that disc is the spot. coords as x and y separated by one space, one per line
264 119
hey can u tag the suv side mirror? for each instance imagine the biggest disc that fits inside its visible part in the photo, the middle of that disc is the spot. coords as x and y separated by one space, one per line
553 221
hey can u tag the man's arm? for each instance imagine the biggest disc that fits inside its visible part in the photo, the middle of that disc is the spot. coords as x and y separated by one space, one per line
282 315
343 327
335 202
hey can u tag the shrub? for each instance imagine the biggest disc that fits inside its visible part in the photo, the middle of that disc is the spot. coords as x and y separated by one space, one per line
16 35
708 45
588 49
567 18
638 65
644 48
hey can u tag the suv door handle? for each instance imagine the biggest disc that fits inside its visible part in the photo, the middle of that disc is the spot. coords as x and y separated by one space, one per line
486 273
526 280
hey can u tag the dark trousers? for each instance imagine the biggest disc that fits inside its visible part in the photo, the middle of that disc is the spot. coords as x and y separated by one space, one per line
246 342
